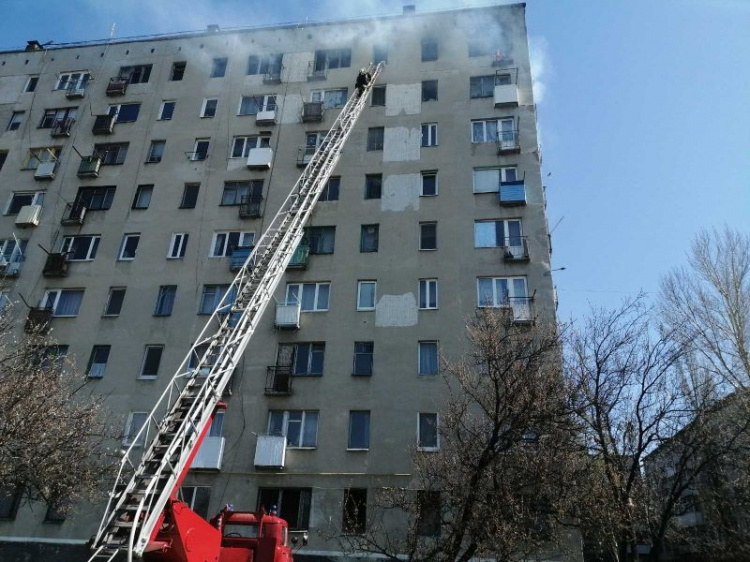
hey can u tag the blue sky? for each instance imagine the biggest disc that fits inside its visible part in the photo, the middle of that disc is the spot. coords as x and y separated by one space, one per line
644 119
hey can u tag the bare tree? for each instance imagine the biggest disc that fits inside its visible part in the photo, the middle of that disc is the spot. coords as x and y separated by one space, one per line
497 485
52 430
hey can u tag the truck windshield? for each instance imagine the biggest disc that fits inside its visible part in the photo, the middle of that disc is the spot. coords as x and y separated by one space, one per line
246 531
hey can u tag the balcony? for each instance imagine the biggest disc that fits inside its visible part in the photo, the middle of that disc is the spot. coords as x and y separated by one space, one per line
38 321
273 76
312 112
209 454
266 116
317 71
508 142
299 257
89 167
10 268
279 380
517 250
28 216
260 158
74 214
239 257
45 170
56 265
104 125
521 308
62 127
75 90
251 209
117 87
512 193
506 87
270 452
305 154
287 316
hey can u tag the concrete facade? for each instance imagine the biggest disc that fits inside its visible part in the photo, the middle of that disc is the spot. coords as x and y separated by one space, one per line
395 393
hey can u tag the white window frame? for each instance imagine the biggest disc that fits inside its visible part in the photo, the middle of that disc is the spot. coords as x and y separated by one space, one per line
118 107
248 143
37 198
498 128
146 349
285 422
502 176
246 238
421 185
67 245
434 343
300 289
64 81
506 230
125 238
421 225
106 314
265 102
163 106
431 288
498 301
319 96
12 250
432 135
194 154
40 154
360 285
97 370
127 438
203 108
178 246
419 431
55 294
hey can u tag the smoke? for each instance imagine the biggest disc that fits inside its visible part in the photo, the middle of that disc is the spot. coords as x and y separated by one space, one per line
540 66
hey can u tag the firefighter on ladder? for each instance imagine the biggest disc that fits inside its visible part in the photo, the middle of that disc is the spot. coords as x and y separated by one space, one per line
363 79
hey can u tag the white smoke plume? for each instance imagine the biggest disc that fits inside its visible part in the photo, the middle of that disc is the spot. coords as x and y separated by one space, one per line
541 70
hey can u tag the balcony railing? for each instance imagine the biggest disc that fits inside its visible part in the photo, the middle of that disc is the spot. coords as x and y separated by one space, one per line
508 141
512 193
117 87
56 265
299 257
312 111
104 125
316 71
89 166
239 257
251 209
516 250
287 316
74 214
38 321
62 127
279 380
273 76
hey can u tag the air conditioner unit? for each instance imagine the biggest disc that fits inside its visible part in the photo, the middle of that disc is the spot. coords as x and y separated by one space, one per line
45 170
28 216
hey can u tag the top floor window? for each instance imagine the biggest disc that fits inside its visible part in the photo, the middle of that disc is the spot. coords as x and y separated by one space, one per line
429 49
178 71
73 81
135 74
264 64
219 67
333 58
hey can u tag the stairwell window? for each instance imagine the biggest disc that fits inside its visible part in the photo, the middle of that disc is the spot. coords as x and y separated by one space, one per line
299 426
375 138
178 71
428 236
31 84
369 235
224 243
151 361
95 198
115 300
63 302
219 67
166 111
209 107
373 186
98 361
363 358
427 363
200 149
366 295
178 246
427 432
125 112
138 74
321 239
136 420
112 154
165 300
80 248
142 197
429 134
429 187
429 90
156 151
359 430
428 294
331 190
487 180
129 246
312 297
241 146
378 96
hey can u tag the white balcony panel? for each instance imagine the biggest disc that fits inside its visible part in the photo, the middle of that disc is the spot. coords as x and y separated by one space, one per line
28 215
521 311
506 94
270 452
267 117
45 171
287 315
260 158
210 454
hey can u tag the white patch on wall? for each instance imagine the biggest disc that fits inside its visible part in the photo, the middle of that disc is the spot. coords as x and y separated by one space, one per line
290 108
10 87
396 311
296 66
401 191
403 99
401 144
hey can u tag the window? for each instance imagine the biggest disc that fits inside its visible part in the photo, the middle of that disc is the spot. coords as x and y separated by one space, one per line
363 356
429 134
238 192
494 234
80 248
129 246
428 358
3 157
135 74
165 300
428 294
251 105
380 54
331 190
481 86
136 420
331 99
428 513
178 246
479 48
218 67
5 302
429 90
57 511
429 184
378 95
373 186
366 295
31 84
13 250
321 239
375 138
156 151
95 198
20 199
332 58
51 358
313 297
355 511
299 426
368 241
15 121
98 361
499 291
142 197
10 500
73 81
427 432
151 360
212 296
224 243
209 107
178 71
307 358
36 156
197 498
488 180
492 130
52 117
428 236
190 195
429 49
166 111
200 150
359 430
112 153
265 64
292 504
125 112
241 146
63 302
114 301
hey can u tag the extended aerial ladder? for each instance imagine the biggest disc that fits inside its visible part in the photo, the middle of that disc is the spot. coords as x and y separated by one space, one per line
161 452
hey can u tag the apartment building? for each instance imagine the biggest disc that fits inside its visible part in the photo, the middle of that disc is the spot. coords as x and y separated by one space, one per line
148 167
